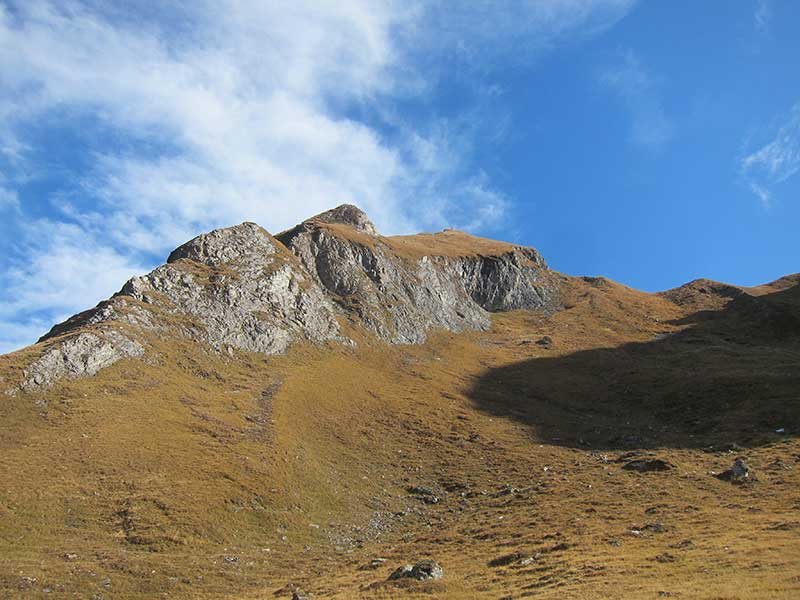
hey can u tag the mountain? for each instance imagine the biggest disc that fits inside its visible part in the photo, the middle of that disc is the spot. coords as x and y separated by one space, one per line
311 410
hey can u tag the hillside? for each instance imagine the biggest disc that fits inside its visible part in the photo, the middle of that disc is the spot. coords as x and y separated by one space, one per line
311 410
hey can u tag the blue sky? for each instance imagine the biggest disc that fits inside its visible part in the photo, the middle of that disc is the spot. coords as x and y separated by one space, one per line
650 142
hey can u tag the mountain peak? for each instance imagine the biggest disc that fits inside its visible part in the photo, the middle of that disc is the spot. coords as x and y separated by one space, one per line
346 214
225 244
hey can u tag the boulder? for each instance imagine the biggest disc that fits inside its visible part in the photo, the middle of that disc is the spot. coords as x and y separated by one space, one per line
422 571
738 473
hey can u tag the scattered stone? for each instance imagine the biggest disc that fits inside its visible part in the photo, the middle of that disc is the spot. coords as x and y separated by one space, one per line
373 564
647 465
726 448
778 465
545 342
70 556
656 527
299 595
665 558
530 559
507 490
784 526
559 547
231 559
427 495
738 473
423 570
502 561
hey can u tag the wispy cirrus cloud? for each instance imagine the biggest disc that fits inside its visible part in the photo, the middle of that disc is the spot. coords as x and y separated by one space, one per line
189 116
762 15
482 30
775 161
638 89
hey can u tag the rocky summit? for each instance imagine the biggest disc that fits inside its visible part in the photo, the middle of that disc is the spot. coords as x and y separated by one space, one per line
328 412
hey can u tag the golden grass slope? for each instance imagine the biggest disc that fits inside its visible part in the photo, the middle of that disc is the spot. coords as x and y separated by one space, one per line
196 474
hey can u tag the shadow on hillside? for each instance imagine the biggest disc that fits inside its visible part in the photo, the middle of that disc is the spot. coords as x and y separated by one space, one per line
732 377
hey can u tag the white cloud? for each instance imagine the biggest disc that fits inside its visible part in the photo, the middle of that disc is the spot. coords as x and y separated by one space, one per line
204 114
62 259
763 194
776 161
8 200
637 88
762 15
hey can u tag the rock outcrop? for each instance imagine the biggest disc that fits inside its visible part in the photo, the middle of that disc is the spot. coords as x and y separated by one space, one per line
241 288
243 291
401 296
78 355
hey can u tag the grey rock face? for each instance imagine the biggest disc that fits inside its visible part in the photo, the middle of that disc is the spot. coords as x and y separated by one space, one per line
510 281
253 297
117 309
83 354
400 299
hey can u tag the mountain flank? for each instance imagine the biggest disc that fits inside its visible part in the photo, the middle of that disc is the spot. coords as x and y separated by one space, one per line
331 413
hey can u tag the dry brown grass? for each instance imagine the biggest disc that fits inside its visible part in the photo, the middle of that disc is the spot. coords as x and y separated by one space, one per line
450 242
296 467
